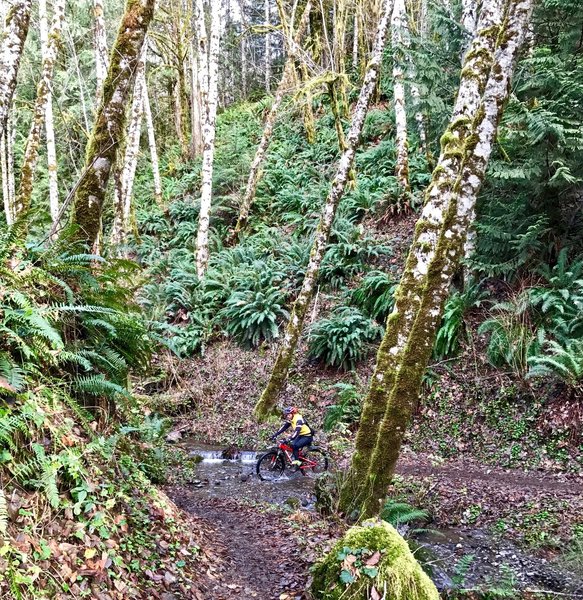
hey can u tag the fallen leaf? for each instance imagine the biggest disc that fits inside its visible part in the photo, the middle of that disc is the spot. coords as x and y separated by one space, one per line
374 559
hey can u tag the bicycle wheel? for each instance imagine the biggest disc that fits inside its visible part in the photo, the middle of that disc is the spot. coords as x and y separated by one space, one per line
270 466
317 462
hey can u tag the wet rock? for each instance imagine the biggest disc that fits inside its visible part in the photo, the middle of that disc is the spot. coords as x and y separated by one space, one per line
244 477
174 436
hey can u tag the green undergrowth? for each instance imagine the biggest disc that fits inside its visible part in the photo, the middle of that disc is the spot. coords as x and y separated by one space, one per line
78 513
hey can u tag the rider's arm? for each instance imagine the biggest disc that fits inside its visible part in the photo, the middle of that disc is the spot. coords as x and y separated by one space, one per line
281 429
297 429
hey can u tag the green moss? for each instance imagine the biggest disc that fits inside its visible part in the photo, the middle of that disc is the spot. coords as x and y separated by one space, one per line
397 571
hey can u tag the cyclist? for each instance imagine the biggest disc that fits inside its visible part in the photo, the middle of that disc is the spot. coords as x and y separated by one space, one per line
302 435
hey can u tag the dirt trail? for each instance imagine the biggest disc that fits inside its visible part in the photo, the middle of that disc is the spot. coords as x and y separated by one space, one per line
254 553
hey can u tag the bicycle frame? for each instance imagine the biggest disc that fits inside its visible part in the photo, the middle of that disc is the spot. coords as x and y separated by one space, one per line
287 451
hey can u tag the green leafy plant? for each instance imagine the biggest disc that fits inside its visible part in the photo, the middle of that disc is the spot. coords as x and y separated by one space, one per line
346 408
343 339
374 295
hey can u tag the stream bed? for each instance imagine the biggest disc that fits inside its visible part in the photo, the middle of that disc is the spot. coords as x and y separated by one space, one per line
456 558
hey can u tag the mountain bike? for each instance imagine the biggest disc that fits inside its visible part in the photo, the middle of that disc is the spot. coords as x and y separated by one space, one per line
272 464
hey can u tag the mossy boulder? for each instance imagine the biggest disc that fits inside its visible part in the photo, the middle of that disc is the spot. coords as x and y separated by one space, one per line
369 556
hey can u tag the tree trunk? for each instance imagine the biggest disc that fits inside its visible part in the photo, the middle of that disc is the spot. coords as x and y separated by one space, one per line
398 34
435 254
355 40
284 358
43 91
110 122
153 149
209 112
284 84
267 48
123 192
243 50
8 212
82 86
100 44
469 22
196 111
49 124
13 38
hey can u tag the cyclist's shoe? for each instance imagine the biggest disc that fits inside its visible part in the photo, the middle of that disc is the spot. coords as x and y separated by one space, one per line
296 464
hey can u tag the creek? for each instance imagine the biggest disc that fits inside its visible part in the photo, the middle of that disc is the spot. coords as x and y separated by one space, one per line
473 559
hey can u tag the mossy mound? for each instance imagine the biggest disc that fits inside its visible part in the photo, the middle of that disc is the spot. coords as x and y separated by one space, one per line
371 556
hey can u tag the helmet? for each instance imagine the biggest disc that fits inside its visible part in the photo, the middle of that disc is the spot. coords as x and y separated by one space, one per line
289 410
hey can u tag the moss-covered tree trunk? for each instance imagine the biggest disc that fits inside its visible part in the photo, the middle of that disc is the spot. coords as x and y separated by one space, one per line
209 66
294 328
284 85
109 125
435 253
43 95
11 46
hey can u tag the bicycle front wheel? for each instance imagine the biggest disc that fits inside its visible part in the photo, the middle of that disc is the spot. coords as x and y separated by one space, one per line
316 462
270 466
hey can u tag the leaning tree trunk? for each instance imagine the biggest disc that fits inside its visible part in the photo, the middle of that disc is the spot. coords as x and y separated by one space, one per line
13 38
153 148
110 122
43 94
208 132
123 192
284 84
294 328
100 46
398 34
435 254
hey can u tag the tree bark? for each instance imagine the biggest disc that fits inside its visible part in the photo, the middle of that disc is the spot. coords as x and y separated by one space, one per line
398 34
13 38
209 112
196 110
123 193
8 212
267 47
109 125
100 45
153 148
43 92
284 358
469 23
435 254
49 124
284 85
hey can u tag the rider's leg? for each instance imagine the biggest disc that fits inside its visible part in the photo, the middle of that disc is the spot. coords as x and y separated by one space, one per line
300 442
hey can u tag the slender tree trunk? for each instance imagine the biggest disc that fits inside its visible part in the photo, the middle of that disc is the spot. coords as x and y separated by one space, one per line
196 110
82 86
8 212
398 26
13 38
110 122
284 358
100 45
267 48
210 111
49 123
284 84
355 40
243 50
43 92
339 45
153 149
435 254
123 192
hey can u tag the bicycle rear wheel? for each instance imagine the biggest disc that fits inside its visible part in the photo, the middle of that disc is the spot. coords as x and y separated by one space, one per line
270 466
317 462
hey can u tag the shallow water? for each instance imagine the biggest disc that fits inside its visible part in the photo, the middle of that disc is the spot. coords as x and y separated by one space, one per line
455 558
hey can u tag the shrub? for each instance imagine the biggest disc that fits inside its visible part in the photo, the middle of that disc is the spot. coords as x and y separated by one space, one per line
346 409
344 338
254 316
374 295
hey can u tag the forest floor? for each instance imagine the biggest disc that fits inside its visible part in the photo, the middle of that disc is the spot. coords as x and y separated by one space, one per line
260 539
